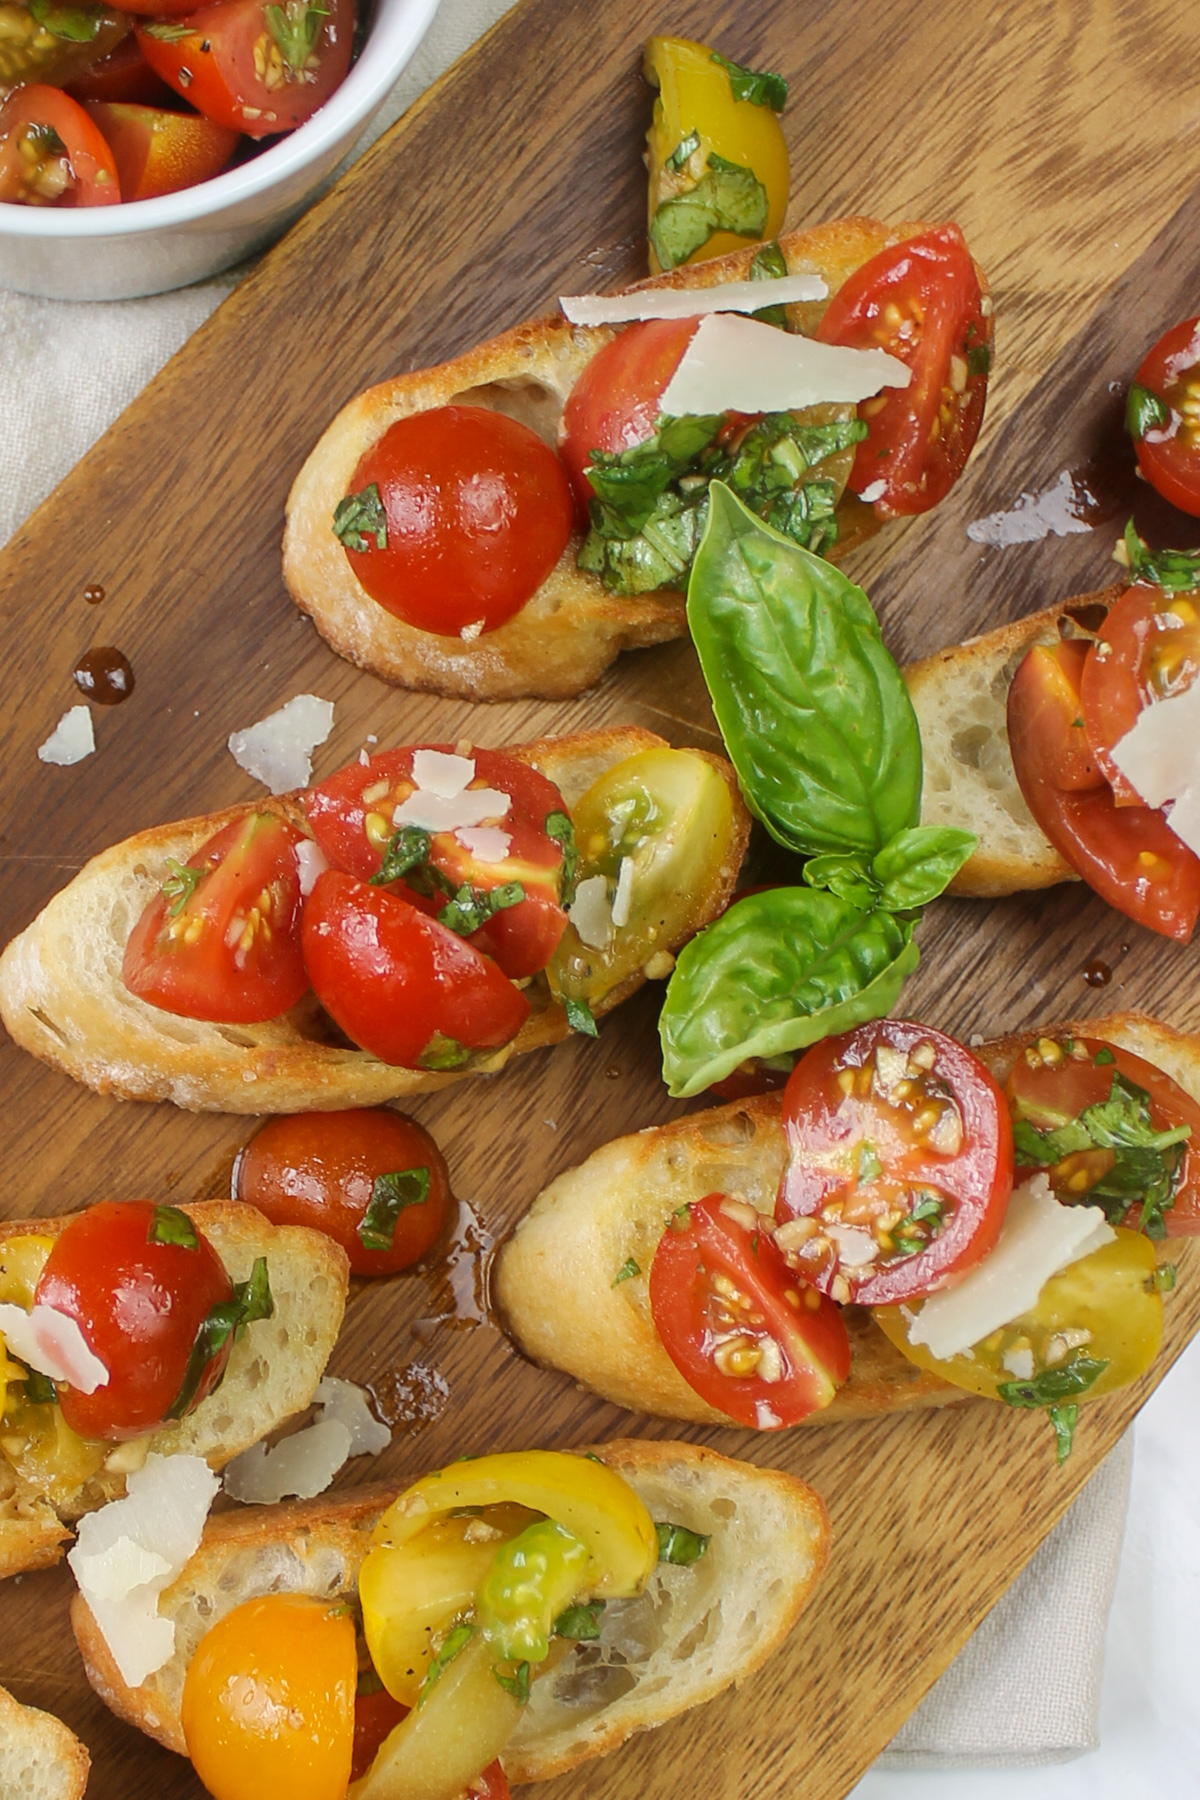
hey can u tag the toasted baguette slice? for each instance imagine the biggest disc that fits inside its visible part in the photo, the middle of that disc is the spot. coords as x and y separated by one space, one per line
272 1374
563 639
693 1633
39 1758
961 699
554 1278
62 996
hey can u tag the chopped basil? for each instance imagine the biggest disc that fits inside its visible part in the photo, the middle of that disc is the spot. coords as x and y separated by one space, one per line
1104 1055
628 1269
1165 1277
560 828
168 33
180 885
684 150
359 516
456 1639
769 264
979 360
676 1544
580 1017
442 1052
727 197
517 1685
389 1197
171 1226
1053 1385
1175 571
764 89
1064 1419
409 847
39 1389
869 1166
1144 412
74 24
296 27
927 1207
473 907
252 1300
580 1624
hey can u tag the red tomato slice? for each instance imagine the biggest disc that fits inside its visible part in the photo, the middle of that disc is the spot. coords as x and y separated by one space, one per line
614 404
1169 455
51 153
253 66
919 301
400 984
1054 1079
1151 650
222 940
159 152
376 1716
351 817
124 74
736 1323
900 1154
321 1169
139 1304
1128 854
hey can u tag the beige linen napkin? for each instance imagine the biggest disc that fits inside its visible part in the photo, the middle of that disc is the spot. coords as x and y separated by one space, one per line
1025 1689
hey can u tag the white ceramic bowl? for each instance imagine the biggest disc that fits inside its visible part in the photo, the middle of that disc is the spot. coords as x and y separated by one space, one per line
148 246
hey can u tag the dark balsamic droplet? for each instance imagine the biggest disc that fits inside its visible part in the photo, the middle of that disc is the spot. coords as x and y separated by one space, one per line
1097 973
93 593
105 675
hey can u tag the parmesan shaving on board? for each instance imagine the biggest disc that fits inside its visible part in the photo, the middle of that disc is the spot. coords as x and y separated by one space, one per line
738 365
278 750
691 303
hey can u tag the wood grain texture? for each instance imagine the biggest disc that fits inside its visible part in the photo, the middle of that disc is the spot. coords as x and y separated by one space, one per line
1065 137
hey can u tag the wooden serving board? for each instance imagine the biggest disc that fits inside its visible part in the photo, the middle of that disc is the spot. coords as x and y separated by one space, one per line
1064 140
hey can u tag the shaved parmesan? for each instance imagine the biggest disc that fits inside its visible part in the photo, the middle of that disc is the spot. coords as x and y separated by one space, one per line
437 772
52 1343
623 898
874 492
130 1550
855 1247
590 913
1160 756
71 740
434 812
304 1464
311 861
278 750
1039 1237
737 365
691 303
486 843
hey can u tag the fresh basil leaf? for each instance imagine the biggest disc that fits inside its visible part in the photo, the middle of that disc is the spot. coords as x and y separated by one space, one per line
765 89
774 973
180 885
296 28
676 1544
1175 571
1053 1385
456 1639
1144 412
813 709
473 907
917 865
409 847
849 877
580 1624
73 24
442 1052
727 197
252 1300
684 150
171 1226
517 1685
1064 1419
359 517
39 1389
560 828
628 1269
580 1017
769 264
390 1195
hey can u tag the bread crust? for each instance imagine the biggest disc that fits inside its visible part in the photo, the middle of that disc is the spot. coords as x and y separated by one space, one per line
40 1759
568 633
318 1547
272 1374
554 1278
62 997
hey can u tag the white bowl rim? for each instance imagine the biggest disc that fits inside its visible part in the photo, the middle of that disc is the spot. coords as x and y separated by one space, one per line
388 47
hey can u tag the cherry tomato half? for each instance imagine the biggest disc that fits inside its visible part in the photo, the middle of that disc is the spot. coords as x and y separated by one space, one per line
321 1170
478 512
1055 1079
920 301
900 1163
222 939
124 74
614 404
250 65
268 1700
400 984
1151 650
139 1300
1169 453
1128 854
158 152
51 153
737 1325
351 816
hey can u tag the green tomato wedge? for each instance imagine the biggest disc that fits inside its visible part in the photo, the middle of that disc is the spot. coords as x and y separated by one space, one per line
670 815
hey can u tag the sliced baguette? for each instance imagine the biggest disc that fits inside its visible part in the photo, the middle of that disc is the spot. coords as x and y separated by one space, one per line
63 999
39 1758
961 697
554 1277
695 1631
563 639
272 1374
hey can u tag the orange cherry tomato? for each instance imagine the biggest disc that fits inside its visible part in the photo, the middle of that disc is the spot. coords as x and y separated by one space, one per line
268 1701
1169 453
1151 650
139 1297
51 153
614 404
159 152
478 512
321 1169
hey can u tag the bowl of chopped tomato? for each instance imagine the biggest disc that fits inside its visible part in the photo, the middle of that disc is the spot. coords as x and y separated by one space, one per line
151 146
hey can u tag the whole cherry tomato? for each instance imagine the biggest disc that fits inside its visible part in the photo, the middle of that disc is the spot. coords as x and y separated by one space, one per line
139 1280
1164 416
373 1180
51 153
614 404
470 513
